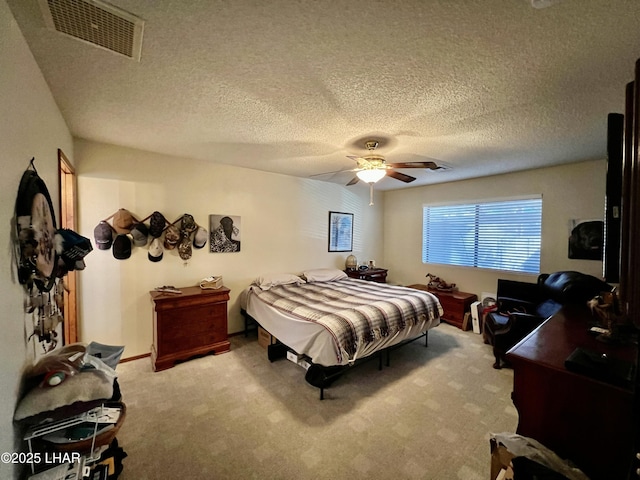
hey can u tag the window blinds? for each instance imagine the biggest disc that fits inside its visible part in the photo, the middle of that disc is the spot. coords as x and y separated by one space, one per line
500 235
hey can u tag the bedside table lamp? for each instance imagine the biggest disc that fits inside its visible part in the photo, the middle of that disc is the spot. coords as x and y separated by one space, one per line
351 263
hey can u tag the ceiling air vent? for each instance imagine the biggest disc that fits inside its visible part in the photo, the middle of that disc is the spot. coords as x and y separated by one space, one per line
96 22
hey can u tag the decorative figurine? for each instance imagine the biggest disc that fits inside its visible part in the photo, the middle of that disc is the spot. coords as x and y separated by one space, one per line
436 283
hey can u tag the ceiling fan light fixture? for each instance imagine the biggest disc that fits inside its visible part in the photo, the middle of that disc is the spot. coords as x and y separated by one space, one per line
372 175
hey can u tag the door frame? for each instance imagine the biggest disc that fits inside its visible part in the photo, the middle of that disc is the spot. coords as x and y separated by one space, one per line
67 189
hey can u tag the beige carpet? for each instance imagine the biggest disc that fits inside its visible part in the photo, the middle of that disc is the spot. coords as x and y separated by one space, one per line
238 416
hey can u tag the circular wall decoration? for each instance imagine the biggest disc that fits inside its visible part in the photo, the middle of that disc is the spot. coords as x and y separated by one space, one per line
36 228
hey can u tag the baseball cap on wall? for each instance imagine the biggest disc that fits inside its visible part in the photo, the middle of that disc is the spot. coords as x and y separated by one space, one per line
184 248
157 222
200 238
74 247
123 221
122 247
103 235
155 250
187 225
171 237
140 234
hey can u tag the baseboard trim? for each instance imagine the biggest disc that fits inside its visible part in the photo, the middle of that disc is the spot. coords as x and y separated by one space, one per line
137 357
144 355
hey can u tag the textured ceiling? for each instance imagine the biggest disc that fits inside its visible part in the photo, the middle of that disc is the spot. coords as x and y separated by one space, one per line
293 87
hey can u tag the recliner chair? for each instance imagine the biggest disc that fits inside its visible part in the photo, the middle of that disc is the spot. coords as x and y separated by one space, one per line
522 306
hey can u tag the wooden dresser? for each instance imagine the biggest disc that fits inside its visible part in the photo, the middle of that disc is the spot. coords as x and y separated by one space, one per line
582 419
370 274
454 304
187 324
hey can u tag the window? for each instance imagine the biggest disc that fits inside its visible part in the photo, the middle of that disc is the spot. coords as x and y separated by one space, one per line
500 235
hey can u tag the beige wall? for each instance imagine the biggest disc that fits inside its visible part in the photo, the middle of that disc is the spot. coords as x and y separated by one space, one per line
284 222
574 191
284 229
30 126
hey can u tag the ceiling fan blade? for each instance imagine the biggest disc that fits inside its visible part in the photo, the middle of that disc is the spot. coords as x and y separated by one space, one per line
429 165
400 176
353 181
333 173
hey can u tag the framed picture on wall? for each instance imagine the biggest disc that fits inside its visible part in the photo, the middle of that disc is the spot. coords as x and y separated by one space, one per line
586 239
225 233
340 232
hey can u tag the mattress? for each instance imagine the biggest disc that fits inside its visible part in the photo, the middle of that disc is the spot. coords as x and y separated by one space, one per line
339 322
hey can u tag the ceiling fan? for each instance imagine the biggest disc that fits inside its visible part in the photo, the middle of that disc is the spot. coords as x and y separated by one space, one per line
372 167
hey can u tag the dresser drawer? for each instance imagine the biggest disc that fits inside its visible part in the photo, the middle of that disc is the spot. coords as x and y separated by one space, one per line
191 323
187 322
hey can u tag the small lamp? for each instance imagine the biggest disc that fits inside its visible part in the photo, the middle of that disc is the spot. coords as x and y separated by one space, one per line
351 263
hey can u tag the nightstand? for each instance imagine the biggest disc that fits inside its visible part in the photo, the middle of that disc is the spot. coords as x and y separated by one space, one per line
378 275
454 304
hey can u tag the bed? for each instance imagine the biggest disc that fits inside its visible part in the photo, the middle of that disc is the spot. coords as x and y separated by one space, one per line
336 321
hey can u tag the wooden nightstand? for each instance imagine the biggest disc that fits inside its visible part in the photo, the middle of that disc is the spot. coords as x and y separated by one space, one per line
454 304
370 274
187 324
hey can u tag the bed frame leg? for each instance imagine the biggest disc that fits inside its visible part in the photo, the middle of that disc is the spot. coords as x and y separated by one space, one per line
319 376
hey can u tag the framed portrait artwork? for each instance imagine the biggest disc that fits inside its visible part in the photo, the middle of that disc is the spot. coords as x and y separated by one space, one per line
586 239
340 232
225 233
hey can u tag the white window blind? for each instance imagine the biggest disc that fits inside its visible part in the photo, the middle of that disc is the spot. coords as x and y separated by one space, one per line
500 235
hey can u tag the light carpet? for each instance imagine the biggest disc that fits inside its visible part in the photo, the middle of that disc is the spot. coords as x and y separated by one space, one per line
429 415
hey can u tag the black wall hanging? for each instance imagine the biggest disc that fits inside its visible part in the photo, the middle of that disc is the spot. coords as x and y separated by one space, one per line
36 229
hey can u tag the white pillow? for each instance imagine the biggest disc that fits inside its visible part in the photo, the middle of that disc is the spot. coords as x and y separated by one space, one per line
265 282
324 275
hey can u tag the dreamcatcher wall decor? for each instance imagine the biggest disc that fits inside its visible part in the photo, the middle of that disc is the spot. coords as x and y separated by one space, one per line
44 255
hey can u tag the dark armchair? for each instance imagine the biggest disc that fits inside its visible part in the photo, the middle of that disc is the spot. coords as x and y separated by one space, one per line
523 306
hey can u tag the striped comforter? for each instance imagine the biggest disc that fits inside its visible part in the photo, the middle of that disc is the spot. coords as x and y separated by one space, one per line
355 312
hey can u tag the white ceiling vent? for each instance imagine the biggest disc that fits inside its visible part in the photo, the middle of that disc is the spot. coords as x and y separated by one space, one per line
96 22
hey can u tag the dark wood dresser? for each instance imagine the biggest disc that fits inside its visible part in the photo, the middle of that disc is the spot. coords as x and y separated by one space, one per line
582 419
187 324
454 304
370 274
